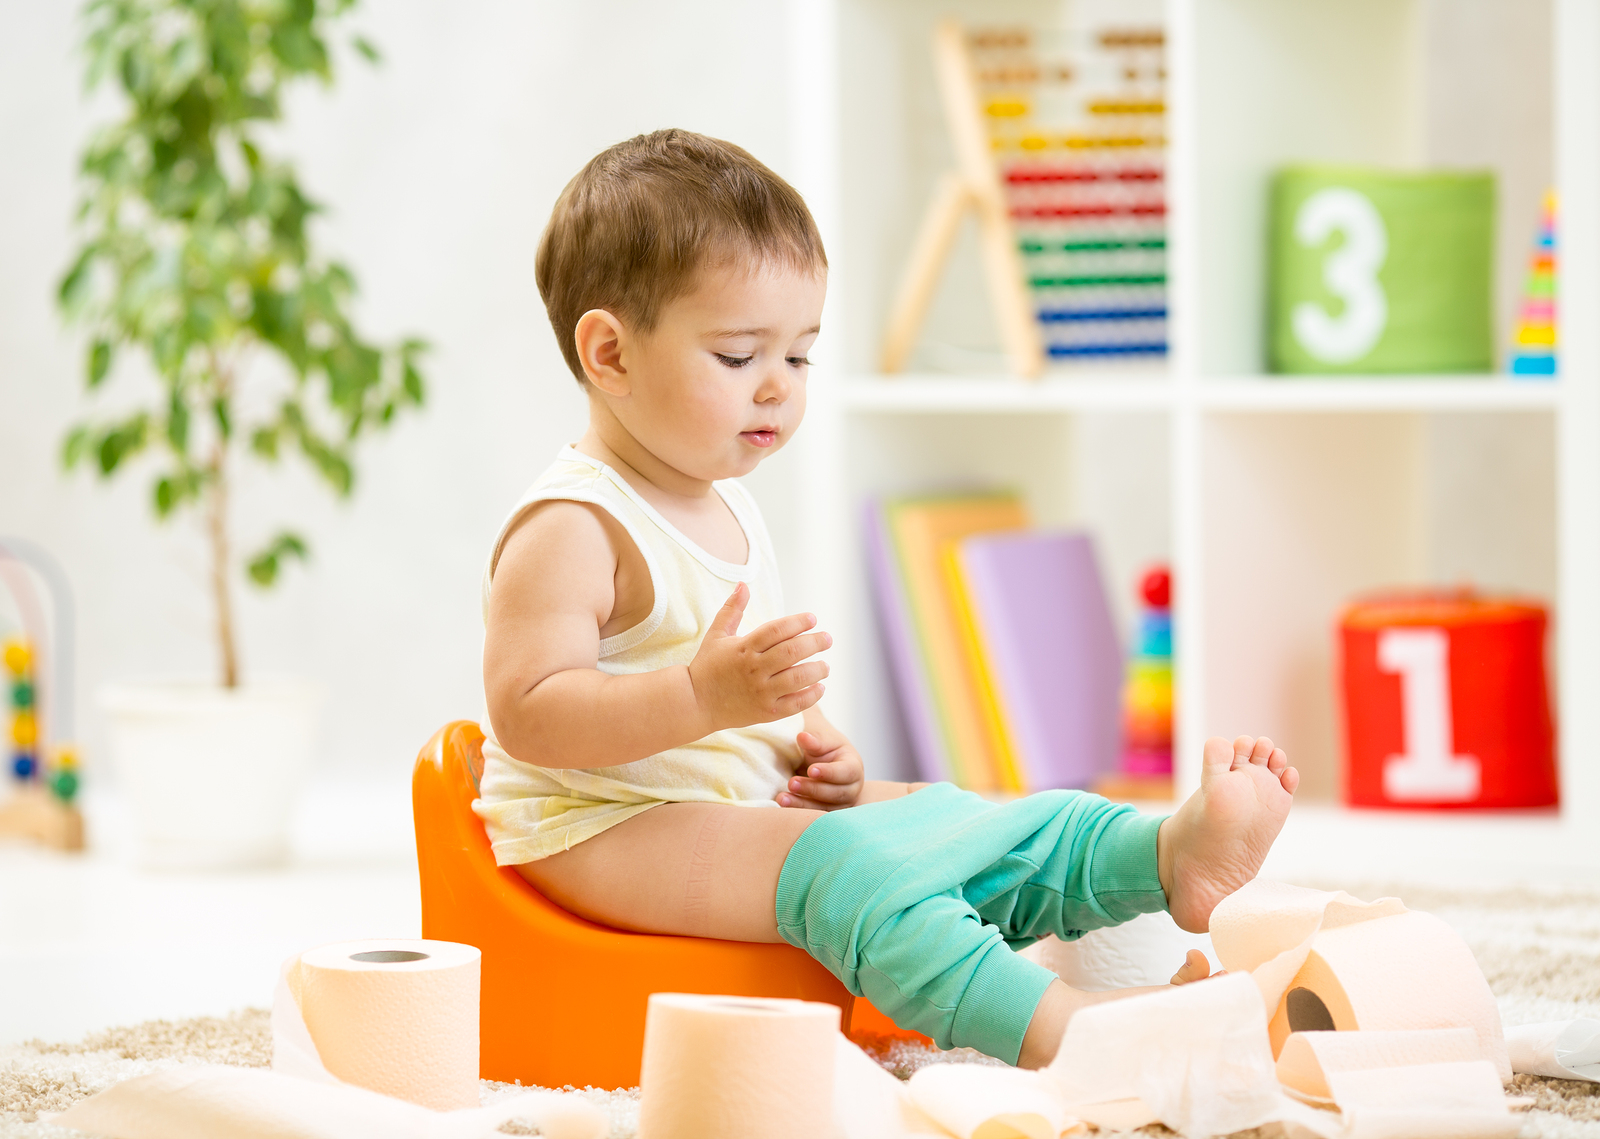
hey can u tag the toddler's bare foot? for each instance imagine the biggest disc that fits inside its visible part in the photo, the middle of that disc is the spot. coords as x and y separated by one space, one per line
1219 837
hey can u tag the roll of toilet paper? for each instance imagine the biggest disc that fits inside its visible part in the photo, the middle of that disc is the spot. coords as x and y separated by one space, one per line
731 1067
397 1017
1327 961
1404 972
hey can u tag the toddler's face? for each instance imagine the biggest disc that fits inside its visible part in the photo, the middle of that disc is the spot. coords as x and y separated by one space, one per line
720 383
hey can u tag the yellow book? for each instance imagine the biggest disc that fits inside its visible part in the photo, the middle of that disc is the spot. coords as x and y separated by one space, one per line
921 528
992 716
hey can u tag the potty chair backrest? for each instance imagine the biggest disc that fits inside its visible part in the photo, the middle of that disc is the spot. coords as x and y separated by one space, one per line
563 999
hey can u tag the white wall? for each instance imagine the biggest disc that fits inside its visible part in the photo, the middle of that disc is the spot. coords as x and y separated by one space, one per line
439 168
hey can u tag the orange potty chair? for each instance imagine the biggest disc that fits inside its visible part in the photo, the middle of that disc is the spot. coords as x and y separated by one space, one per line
563 999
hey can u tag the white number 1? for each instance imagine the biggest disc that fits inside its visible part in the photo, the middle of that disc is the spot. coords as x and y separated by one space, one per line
1350 272
1428 770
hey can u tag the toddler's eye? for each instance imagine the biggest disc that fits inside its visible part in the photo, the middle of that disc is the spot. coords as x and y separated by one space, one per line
799 361
734 361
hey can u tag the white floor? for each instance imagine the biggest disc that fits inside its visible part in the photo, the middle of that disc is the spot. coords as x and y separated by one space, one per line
89 941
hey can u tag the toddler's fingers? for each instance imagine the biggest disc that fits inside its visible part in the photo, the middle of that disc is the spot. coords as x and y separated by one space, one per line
820 792
834 771
1195 968
801 675
796 649
811 745
726 622
796 701
780 630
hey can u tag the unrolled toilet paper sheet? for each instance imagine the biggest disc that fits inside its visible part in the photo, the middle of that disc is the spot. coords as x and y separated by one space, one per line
1198 1059
1310 1059
207 1101
1564 1050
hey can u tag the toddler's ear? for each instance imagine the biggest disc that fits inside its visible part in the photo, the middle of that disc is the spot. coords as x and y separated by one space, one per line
599 338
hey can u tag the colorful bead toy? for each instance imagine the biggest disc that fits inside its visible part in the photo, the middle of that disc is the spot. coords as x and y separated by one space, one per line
1059 138
1091 222
18 657
1147 698
1534 351
44 769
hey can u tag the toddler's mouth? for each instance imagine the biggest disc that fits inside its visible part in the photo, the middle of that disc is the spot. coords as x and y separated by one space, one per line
763 437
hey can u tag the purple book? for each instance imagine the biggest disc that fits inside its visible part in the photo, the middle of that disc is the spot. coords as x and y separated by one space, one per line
905 658
1052 651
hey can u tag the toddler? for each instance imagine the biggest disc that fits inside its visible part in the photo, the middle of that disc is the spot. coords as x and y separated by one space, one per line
657 758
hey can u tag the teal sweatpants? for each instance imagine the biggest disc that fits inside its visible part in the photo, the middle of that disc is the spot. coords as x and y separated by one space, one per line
918 903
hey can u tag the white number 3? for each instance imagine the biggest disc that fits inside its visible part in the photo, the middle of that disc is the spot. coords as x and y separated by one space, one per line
1350 272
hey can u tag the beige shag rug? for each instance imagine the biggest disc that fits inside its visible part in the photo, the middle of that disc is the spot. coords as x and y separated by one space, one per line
1540 950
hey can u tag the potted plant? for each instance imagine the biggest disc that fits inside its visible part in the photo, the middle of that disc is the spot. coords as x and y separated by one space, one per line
197 265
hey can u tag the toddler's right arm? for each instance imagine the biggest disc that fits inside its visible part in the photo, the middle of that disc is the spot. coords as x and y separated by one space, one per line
566 572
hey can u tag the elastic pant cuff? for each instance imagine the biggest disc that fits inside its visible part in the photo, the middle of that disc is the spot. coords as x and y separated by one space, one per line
999 1004
1124 874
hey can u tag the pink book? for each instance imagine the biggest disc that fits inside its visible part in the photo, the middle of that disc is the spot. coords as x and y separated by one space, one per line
1045 628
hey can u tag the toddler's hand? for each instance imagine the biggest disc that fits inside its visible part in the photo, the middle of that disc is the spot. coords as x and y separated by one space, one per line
757 678
829 778
1195 968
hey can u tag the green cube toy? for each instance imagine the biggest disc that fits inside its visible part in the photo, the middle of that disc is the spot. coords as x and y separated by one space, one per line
1381 271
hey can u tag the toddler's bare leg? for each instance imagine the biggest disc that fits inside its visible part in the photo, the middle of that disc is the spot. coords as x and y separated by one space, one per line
697 869
1060 1001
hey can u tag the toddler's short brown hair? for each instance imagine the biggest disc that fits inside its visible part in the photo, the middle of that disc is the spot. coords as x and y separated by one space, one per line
636 224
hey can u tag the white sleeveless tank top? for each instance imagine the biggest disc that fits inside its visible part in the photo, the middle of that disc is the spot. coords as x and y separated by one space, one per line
533 812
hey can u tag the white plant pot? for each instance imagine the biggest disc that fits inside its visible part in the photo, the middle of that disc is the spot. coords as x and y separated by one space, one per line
211 773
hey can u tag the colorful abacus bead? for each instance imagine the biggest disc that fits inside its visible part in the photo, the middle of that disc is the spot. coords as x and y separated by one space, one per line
18 657
23 765
64 783
24 730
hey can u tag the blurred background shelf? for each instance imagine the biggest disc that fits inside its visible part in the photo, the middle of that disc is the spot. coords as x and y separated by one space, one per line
1157 391
1117 390
1275 499
1377 393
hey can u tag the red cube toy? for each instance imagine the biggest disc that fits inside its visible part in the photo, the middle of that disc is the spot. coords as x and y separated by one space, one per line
1445 702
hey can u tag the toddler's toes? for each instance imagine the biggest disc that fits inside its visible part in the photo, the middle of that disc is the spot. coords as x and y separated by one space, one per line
1263 750
1277 762
1290 779
1218 753
1195 967
1241 751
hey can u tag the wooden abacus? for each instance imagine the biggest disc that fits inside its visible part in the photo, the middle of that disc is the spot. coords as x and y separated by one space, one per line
1127 293
40 807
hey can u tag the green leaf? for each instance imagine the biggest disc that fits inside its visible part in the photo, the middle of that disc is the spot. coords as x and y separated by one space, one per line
121 442
264 442
166 496
367 48
411 380
224 418
264 567
75 447
99 362
178 423
74 288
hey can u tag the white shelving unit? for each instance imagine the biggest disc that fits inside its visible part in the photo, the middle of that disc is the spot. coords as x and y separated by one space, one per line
1275 499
